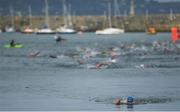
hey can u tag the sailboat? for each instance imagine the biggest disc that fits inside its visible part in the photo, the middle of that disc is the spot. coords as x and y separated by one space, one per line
172 17
10 27
110 30
67 27
45 29
29 30
150 30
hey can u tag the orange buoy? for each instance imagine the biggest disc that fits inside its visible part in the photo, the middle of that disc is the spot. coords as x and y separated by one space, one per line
174 34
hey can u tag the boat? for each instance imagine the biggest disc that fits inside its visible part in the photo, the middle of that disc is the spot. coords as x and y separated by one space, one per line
45 29
151 31
67 27
172 16
28 30
10 27
110 30
15 46
65 30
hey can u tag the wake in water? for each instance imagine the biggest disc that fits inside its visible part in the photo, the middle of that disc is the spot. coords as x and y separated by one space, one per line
137 101
138 55
135 55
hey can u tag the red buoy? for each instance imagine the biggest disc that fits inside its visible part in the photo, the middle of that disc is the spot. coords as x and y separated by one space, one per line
174 34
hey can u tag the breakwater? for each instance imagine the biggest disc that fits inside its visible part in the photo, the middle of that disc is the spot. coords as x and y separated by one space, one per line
162 23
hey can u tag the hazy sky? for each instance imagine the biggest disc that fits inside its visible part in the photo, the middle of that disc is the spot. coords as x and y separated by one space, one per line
167 0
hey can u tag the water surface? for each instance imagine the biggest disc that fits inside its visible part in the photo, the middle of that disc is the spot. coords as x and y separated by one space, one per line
147 68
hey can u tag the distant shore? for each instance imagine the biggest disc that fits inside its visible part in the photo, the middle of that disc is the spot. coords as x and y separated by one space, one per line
162 23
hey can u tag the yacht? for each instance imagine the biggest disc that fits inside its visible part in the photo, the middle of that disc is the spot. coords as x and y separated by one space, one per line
151 31
10 27
46 29
110 30
28 30
65 30
67 27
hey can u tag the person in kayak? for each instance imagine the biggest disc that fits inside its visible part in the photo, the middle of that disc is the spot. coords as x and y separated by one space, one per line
12 43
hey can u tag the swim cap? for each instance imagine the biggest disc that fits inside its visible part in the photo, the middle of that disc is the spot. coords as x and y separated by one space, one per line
130 99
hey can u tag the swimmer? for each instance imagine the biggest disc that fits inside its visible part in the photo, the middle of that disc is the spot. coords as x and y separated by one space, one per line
34 54
80 61
58 38
128 101
56 56
52 56
112 60
98 65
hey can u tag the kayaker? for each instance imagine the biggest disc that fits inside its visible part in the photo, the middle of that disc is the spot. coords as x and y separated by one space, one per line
12 43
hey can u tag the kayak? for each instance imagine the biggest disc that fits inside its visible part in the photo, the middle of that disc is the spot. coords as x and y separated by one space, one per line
15 46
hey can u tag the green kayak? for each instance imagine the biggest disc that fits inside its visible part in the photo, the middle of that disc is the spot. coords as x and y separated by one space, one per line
15 46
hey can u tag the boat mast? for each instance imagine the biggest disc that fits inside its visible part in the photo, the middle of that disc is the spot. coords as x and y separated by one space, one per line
116 12
132 12
109 17
125 15
105 19
12 16
116 9
69 16
47 13
30 16
171 15
65 13
147 15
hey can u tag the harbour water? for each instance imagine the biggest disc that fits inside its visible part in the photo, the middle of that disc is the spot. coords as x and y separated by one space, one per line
147 68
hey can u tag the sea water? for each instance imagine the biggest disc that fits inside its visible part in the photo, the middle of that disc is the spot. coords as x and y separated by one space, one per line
147 68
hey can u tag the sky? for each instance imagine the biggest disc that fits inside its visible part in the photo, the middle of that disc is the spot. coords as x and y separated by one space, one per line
167 0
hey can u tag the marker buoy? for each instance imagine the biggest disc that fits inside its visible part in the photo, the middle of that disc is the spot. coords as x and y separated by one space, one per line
174 34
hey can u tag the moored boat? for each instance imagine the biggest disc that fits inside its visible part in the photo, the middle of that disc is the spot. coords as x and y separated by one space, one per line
9 30
65 30
110 31
151 31
45 31
28 30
